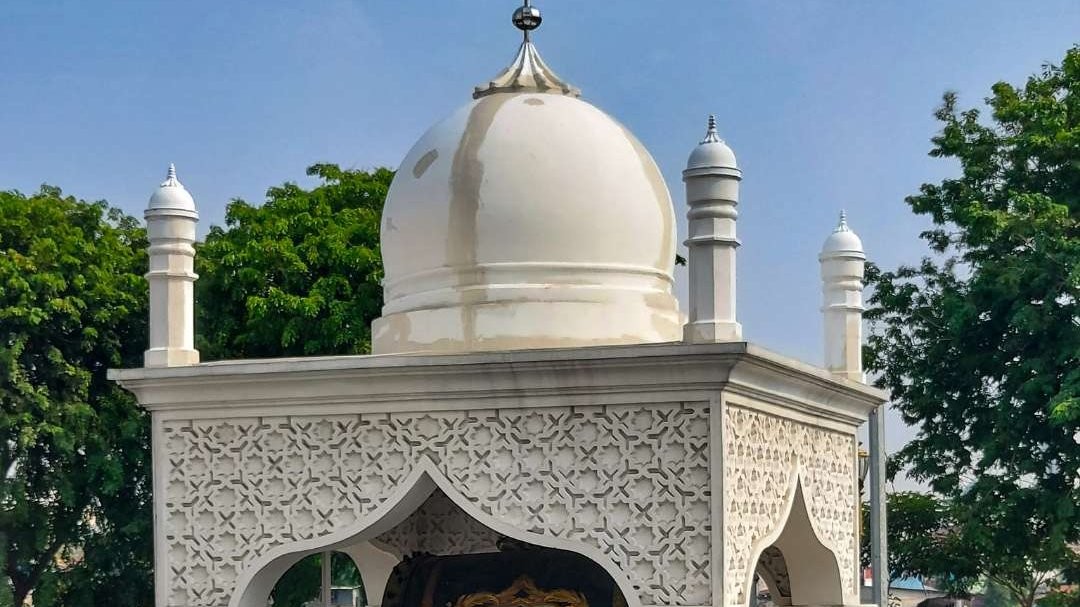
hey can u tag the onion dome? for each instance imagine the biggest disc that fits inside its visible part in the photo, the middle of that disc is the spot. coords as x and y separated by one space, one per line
526 219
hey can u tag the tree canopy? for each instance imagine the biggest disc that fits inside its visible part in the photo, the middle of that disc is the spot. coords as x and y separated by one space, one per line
74 496
299 275
979 344
925 542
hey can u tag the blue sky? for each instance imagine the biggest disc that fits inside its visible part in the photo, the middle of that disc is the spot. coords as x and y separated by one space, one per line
828 104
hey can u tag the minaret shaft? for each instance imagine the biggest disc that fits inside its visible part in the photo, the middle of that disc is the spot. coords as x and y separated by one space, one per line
712 194
170 224
843 266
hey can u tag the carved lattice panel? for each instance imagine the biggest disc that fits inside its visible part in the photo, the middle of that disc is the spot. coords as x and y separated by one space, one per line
761 453
631 481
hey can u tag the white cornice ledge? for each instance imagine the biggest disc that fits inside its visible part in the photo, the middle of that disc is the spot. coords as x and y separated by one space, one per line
412 382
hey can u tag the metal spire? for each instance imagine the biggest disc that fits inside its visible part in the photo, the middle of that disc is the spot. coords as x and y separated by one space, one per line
711 136
842 226
170 177
527 73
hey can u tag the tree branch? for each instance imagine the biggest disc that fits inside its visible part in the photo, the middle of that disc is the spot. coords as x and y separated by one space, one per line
1017 592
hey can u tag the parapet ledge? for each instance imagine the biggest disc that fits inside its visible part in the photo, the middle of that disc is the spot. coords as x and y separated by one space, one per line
492 380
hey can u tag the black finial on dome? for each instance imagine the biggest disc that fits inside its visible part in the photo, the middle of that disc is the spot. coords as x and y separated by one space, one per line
527 18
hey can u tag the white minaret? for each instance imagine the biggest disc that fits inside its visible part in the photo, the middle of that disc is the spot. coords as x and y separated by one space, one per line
712 193
170 226
843 264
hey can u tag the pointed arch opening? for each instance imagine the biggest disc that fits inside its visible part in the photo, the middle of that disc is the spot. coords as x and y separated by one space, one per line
377 542
796 566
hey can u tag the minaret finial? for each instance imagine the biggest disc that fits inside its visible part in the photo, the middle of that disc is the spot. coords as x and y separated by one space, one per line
527 18
711 136
842 226
170 178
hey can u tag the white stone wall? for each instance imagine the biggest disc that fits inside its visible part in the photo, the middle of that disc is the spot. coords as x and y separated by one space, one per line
631 481
763 455
674 467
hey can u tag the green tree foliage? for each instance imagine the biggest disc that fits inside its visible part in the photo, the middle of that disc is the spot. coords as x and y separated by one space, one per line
74 495
979 344
924 542
299 275
1058 596
303 581
996 596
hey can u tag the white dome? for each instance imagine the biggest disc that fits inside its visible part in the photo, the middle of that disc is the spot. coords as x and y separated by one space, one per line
712 152
712 155
842 240
527 220
171 195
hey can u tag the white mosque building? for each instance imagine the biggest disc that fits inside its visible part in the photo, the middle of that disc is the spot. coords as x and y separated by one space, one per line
532 378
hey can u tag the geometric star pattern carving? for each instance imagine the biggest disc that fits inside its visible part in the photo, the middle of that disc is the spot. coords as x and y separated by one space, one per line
630 480
762 452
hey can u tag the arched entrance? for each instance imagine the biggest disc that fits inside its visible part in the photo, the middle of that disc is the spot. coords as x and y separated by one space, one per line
377 542
795 565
